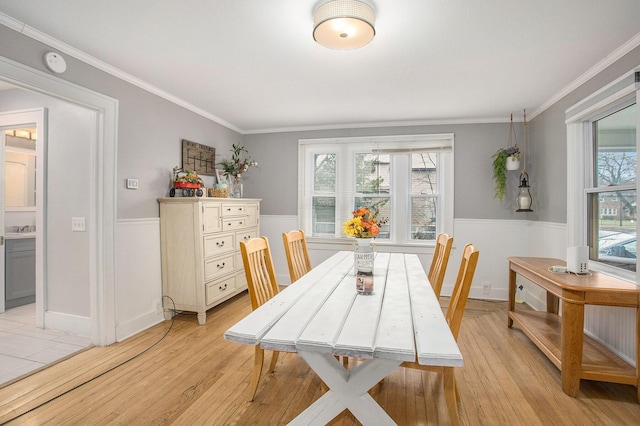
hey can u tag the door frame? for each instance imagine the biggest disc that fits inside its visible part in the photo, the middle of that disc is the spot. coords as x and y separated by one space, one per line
103 192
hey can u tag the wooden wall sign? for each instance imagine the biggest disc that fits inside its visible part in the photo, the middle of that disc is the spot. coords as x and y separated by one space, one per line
198 158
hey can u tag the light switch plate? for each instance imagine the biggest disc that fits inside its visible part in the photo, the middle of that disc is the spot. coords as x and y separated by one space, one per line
132 183
78 224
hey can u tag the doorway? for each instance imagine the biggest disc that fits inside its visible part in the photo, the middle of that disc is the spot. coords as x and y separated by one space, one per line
26 345
100 196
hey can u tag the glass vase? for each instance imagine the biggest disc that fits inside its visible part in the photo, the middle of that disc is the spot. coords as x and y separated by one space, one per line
236 187
363 265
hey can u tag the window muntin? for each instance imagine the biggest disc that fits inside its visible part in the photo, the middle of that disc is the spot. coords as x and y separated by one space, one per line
611 202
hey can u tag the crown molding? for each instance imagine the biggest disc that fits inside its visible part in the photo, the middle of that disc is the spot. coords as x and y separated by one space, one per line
592 72
37 35
368 125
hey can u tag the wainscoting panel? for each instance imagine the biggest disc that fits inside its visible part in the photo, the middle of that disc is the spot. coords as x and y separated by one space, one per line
496 240
139 281
138 276
614 327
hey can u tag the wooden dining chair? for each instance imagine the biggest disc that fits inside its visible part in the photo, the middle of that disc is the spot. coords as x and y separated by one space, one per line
454 314
262 283
295 247
444 242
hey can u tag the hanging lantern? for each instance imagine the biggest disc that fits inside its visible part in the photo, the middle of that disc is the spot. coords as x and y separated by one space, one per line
524 195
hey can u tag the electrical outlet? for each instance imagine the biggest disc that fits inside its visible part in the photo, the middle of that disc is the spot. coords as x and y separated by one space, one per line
486 288
78 224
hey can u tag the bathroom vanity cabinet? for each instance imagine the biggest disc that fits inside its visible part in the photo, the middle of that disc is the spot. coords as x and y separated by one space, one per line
20 272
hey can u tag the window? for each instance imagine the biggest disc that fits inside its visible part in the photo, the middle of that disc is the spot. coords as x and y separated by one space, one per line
611 197
408 179
602 142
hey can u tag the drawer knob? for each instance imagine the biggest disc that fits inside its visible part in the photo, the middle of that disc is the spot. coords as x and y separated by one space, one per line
220 243
222 287
220 267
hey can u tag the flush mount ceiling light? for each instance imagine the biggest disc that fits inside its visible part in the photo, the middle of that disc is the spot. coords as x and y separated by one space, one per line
344 24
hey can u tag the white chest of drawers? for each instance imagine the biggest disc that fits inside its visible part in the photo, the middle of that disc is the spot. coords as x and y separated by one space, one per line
200 246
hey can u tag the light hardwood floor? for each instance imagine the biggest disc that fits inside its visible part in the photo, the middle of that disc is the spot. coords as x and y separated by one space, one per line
194 377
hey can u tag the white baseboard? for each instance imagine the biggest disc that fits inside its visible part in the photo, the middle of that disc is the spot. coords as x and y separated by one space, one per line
67 323
135 325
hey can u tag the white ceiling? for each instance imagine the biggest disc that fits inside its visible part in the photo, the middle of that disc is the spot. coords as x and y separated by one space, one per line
253 65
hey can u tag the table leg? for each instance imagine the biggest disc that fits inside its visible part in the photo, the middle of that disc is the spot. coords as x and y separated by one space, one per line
571 342
552 303
450 393
347 389
512 295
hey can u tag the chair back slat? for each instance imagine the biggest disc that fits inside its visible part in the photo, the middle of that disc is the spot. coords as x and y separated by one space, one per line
295 247
460 294
258 268
440 261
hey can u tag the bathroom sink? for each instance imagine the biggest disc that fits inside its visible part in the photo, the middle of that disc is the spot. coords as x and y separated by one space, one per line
18 235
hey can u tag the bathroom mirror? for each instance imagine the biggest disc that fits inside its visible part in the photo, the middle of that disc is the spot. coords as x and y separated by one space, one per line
20 169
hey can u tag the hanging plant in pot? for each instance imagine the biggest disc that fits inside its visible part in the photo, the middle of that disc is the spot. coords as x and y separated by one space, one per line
501 160
505 159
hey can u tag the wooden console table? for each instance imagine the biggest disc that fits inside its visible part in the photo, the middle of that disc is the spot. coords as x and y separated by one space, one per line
561 338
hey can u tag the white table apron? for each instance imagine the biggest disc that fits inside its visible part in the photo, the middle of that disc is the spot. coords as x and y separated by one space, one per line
321 315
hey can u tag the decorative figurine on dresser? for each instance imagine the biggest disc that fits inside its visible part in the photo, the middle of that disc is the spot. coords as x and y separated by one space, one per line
200 246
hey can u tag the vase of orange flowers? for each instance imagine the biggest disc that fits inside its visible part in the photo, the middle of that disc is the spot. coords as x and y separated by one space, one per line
364 226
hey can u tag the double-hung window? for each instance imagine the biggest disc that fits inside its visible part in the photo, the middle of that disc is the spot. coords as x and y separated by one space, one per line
408 180
611 195
602 142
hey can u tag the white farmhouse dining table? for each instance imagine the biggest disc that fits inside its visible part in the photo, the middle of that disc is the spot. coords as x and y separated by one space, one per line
322 315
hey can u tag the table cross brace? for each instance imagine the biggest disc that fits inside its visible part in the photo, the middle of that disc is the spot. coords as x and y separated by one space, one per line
347 389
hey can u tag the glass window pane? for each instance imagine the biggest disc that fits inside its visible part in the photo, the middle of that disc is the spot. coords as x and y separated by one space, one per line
423 218
383 206
424 173
615 148
324 173
372 174
612 228
323 215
